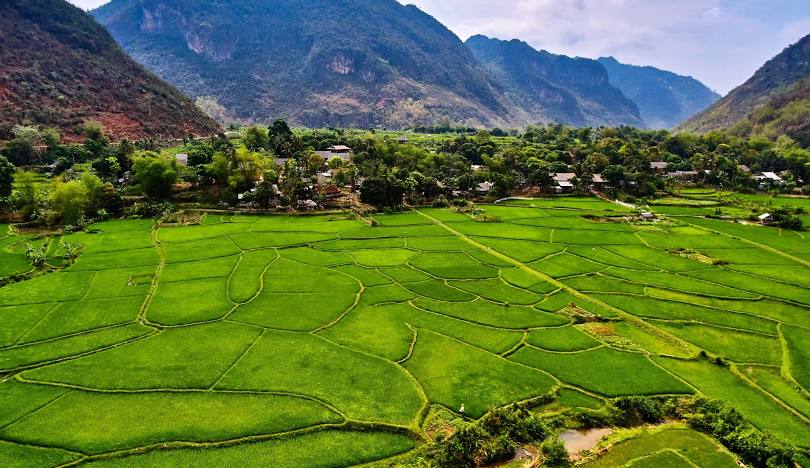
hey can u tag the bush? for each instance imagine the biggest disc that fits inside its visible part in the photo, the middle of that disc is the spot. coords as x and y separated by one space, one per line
499 449
462 448
555 453
726 424
635 410
517 422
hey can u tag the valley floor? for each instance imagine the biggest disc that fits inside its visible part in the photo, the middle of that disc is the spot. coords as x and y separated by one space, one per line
326 340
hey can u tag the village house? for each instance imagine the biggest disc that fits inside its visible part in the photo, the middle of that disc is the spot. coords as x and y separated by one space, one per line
484 188
598 182
565 181
647 216
181 158
336 151
765 219
684 175
402 139
659 167
769 179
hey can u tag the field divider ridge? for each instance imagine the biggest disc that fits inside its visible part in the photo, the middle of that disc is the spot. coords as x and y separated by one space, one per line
627 316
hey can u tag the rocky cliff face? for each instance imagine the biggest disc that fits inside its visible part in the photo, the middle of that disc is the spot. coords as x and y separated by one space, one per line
318 62
553 87
664 99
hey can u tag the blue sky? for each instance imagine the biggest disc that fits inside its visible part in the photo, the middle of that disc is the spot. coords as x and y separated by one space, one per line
720 42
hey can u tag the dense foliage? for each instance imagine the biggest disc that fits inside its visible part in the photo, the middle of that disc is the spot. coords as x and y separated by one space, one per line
61 68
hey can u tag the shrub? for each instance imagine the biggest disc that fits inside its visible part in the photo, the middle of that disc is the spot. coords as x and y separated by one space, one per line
555 453
727 425
635 410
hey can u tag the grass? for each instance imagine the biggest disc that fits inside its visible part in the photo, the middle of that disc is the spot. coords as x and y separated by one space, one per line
18 399
250 326
562 339
359 385
667 310
387 331
324 449
36 353
69 318
759 408
565 264
770 379
125 421
525 251
294 311
439 290
796 339
15 321
604 371
245 282
666 447
382 257
183 358
455 374
498 291
188 302
203 269
24 456
56 287
496 315
453 266
741 347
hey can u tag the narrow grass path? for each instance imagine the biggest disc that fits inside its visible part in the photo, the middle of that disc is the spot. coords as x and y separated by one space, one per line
629 317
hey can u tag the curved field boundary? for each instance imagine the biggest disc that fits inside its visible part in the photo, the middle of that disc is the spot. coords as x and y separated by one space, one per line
630 318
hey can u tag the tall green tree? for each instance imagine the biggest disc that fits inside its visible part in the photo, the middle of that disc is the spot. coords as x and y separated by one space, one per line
155 174
7 171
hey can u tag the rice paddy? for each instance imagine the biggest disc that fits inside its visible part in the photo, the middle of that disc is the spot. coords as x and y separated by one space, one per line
326 341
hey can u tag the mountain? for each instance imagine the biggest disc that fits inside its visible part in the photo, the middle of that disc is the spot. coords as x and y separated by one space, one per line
786 113
59 68
664 99
555 88
313 62
772 85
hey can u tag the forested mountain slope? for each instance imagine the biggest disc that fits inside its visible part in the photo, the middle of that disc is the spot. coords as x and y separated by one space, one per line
778 76
59 68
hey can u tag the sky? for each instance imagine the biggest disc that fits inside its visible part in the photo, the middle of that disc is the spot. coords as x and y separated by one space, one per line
720 42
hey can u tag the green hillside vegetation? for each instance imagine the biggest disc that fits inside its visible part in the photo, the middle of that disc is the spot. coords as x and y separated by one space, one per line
786 113
62 69
773 86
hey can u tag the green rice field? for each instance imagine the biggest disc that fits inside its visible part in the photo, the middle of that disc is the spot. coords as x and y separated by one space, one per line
328 341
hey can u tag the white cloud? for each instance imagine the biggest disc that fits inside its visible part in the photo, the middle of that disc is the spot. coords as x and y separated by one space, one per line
88 4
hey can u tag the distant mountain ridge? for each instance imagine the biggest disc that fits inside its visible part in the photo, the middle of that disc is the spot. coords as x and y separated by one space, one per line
664 99
555 88
358 63
60 68
774 85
